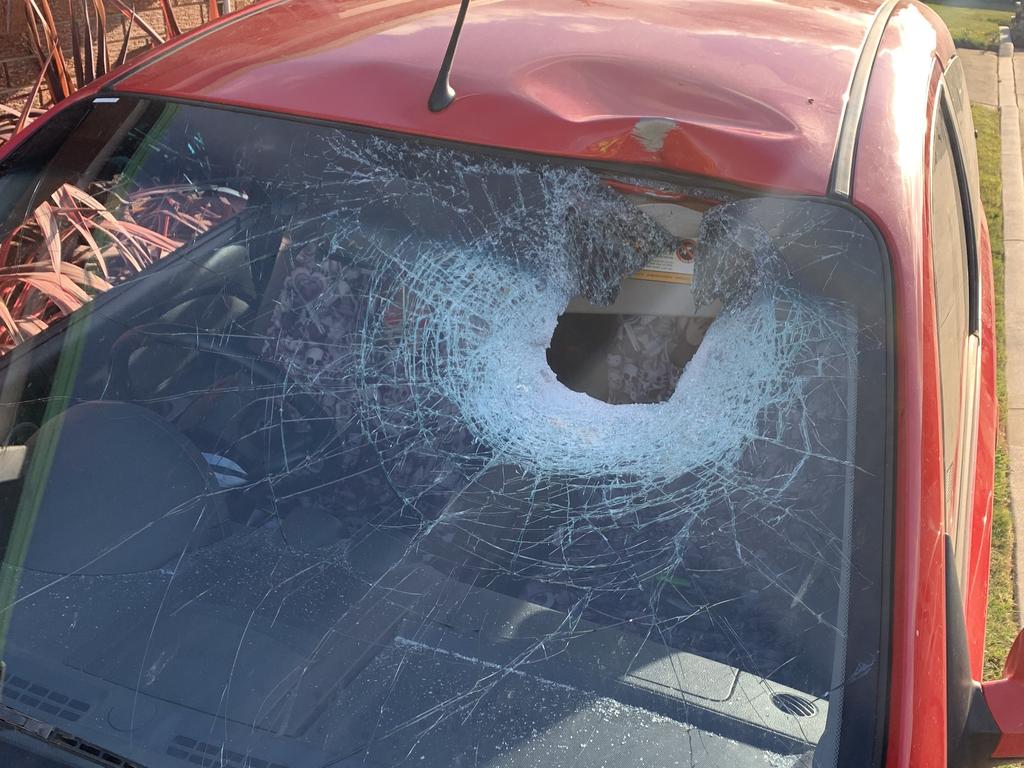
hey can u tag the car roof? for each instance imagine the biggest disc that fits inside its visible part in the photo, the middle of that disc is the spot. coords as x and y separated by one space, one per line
751 92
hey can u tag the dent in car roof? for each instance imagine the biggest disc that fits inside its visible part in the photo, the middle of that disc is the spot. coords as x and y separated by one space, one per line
748 91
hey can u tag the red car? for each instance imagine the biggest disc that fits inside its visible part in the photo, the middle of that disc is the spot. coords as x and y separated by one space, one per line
629 401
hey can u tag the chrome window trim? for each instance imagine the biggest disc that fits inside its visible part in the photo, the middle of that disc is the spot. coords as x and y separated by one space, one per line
841 178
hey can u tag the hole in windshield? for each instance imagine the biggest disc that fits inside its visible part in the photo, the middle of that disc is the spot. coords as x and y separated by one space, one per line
623 358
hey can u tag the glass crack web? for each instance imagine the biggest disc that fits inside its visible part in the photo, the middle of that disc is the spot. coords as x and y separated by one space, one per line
435 293
418 545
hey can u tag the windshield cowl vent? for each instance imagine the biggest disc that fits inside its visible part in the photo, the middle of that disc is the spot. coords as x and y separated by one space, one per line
39 697
794 705
202 753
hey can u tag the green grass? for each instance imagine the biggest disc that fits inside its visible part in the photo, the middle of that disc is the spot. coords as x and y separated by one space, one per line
1001 627
974 23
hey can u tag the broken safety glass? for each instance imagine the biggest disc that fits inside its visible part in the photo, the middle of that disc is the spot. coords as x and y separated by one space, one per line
325 448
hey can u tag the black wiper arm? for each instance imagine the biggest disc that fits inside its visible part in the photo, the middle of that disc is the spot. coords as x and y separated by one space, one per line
12 719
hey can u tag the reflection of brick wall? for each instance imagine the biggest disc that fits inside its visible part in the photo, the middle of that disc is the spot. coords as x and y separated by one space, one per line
18 68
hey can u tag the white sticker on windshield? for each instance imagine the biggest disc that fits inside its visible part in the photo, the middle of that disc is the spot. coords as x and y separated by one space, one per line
672 267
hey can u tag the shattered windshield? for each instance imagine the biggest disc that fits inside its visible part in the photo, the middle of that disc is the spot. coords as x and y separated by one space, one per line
323 448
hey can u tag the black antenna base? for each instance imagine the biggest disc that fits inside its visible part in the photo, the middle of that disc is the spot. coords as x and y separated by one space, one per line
443 93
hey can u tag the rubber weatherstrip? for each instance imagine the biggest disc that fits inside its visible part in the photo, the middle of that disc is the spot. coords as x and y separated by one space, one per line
841 180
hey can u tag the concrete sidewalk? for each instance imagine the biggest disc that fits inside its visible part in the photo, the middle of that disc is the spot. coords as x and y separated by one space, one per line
1011 93
980 68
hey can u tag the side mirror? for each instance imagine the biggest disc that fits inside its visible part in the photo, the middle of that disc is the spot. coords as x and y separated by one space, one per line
1005 700
984 721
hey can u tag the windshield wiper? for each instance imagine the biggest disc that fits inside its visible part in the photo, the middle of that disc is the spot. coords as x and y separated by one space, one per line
12 719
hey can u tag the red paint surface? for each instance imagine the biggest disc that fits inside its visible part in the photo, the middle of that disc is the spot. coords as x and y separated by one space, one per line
975 584
890 184
749 93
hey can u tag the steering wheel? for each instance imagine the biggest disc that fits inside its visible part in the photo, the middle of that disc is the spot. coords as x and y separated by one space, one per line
266 425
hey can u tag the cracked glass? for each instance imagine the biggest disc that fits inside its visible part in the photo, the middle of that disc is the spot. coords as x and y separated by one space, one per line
325 448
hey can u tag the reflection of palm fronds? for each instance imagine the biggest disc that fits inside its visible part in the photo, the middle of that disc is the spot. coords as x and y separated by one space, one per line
183 211
12 120
89 39
64 67
72 247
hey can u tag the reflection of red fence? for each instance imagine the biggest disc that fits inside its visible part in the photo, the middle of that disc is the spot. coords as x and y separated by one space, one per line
19 66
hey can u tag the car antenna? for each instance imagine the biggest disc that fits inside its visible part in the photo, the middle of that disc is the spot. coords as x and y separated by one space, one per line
443 93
